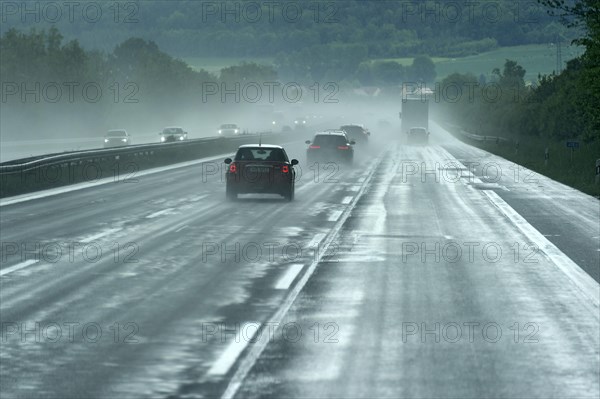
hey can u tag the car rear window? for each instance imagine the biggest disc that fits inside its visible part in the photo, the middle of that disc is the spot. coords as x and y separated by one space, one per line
261 154
333 140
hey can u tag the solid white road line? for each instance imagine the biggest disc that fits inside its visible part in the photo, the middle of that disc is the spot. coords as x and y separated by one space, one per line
230 355
286 280
18 266
99 235
586 284
347 200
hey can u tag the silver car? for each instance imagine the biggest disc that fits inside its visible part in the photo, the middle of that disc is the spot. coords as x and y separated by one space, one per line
117 138
229 129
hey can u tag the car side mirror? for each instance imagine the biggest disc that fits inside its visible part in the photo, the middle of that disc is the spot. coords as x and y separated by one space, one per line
294 162
227 161
307 142
352 142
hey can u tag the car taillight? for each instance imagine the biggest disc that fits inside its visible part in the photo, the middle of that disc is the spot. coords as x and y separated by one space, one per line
232 168
315 146
285 169
343 147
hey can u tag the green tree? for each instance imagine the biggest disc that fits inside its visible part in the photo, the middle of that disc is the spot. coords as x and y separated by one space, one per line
422 70
248 72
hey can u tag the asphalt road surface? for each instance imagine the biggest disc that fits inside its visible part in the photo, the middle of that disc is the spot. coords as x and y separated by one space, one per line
418 273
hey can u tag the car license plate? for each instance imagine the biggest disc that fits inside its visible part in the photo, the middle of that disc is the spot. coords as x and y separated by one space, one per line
259 169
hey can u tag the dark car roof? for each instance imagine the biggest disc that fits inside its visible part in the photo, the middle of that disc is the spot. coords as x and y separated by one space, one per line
331 134
268 146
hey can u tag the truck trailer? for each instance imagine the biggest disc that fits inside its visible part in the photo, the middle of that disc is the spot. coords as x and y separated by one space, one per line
415 113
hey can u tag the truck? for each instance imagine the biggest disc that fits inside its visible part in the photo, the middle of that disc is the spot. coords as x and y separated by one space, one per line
415 113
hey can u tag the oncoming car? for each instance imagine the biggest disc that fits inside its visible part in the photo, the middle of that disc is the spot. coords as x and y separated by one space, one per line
300 123
116 138
172 134
229 129
330 146
417 135
260 169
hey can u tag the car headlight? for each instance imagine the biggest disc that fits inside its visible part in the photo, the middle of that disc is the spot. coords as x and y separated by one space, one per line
106 140
124 140
220 131
296 122
273 122
236 131
180 137
162 138
303 121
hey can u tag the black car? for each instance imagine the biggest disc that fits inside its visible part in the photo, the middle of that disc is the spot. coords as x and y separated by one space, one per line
358 133
262 169
116 138
417 135
172 134
330 146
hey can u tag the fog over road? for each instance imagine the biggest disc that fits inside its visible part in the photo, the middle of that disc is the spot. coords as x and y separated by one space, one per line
422 271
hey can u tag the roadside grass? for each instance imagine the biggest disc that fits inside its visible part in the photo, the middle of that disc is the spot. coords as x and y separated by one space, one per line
573 168
535 58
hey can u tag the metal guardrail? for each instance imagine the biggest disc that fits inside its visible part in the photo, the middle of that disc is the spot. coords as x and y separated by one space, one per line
80 154
457 130
477 137
55 170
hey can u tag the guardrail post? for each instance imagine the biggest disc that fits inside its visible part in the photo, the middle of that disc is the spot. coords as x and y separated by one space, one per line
597 171
546 156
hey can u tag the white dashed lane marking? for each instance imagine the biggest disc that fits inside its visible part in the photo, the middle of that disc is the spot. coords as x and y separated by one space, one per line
99 235
335 215
347 200
230 355
18 266
159 213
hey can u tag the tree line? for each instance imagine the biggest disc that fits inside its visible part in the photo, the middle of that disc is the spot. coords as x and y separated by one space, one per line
387 28
558 107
